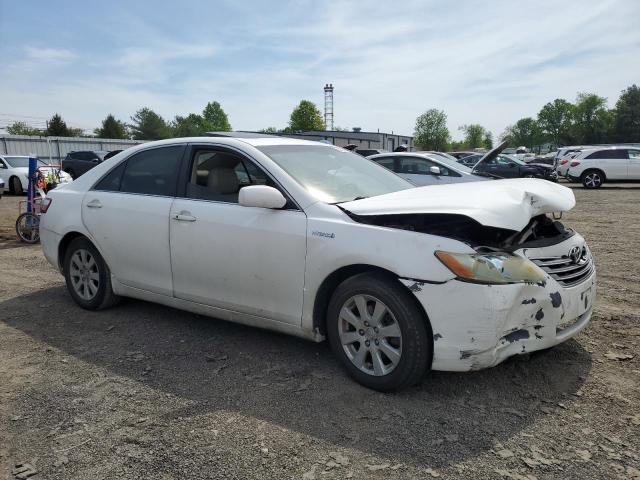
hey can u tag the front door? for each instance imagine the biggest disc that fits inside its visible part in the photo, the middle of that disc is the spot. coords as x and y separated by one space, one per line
127 214
245 259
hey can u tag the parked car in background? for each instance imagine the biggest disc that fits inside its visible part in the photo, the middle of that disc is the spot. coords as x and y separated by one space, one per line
460 155
595 166
563 155
15 170
505 166
547 159
315 241
366 152
78 163
422 168
1 186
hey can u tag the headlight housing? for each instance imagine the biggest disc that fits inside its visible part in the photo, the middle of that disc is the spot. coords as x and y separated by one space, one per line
491 268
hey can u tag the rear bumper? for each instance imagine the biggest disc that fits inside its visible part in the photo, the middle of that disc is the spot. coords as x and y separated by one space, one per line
50 242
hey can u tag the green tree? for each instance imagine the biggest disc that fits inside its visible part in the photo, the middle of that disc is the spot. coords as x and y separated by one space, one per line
431 132
269 130
56 127
473 135
306 116
111 128
488 140
148 125
22 128
193 125
626 116
215 118
592 119
555 121
525 132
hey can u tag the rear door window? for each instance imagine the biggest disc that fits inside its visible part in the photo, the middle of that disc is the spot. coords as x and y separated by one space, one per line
152 172
618 153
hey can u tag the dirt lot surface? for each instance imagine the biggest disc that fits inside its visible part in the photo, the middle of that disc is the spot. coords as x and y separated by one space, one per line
146 392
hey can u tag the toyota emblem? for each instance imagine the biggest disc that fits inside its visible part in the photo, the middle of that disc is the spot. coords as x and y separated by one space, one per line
575 253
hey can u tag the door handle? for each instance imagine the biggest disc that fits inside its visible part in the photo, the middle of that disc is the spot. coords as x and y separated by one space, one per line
184 217
95 203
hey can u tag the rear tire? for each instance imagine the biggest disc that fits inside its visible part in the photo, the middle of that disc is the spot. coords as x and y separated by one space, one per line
87 276
15 186
386 348
592 179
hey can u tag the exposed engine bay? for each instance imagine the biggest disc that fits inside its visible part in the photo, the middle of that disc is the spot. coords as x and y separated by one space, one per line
540 231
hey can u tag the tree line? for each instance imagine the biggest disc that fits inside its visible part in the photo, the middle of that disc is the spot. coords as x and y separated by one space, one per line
146 124
586 121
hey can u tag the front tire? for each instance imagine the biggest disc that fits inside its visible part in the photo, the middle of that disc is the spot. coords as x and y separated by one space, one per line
87 276
378 332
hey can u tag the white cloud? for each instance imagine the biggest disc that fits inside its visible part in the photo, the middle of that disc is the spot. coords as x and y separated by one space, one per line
49 55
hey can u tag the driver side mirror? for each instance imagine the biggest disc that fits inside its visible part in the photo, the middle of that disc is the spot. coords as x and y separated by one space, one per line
261 196
435 170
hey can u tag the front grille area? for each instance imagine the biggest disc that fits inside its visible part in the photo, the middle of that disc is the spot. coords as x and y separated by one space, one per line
565 270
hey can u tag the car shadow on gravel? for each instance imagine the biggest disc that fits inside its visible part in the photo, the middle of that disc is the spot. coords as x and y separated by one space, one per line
299 385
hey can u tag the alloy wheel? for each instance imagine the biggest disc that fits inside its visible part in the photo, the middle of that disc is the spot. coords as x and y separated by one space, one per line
370 335
592 180
85 277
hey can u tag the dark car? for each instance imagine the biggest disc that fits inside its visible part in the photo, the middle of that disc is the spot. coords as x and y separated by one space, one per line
77 163
504 166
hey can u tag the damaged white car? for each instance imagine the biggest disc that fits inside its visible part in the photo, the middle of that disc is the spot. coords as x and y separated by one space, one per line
315 241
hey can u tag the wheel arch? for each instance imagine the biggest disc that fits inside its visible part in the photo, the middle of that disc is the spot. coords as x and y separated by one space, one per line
331 282
64 245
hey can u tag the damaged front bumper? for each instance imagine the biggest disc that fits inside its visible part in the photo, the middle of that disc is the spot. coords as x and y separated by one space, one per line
477 326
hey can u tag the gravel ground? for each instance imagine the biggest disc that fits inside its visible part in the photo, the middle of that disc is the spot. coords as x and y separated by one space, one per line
143 391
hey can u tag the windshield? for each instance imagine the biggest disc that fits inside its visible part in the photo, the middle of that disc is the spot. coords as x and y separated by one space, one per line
20 162
332 174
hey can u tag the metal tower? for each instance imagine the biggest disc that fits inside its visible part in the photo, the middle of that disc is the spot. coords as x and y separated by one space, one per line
328 106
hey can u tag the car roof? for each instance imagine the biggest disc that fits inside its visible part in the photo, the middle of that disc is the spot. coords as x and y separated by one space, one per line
598 149
260 141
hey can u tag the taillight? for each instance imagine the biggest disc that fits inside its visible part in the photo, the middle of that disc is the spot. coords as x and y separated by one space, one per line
45 204
564 161
574 164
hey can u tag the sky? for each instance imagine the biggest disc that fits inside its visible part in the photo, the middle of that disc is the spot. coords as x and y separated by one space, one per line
488 62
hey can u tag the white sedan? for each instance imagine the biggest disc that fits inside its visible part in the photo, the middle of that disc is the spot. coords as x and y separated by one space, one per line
318 242
15 170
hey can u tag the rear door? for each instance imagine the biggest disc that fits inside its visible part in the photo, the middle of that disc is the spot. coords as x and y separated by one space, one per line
127 214
614 163
634 164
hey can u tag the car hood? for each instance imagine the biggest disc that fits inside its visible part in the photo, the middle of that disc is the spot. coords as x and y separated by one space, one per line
506 204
